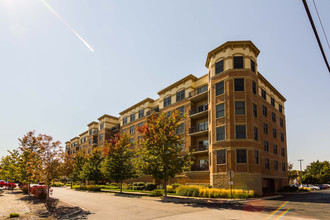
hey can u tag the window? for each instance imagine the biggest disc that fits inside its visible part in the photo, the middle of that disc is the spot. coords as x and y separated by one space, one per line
275 165
220 110
221 133
89 141
272 101
219 67
125 121
240 132
255 110
132 129
167 101
283 166
132 117
181 110
265 128
90 131
239 108
282 152
123 131
266 146
89 150
273 117
239 84
141 113
264 110
131 140
255 133
219 88
241 156
282 137
221 156
253 66
140 124
256 156
274 133
238 62
266 163
101 125
281 122
275 149
168 114
180 129
180 95
254 87
263 94
280 108
101 137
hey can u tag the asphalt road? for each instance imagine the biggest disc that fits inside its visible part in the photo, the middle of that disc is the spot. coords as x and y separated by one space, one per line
114 206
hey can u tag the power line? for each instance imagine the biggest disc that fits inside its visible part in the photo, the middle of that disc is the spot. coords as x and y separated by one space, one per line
317 12
316 34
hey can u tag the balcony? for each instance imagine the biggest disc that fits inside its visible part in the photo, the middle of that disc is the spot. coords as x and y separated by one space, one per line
199 130
198 94
200 167
199 148
199 112
115 128
152 111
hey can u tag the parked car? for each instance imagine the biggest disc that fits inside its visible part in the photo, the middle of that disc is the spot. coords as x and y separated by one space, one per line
313 187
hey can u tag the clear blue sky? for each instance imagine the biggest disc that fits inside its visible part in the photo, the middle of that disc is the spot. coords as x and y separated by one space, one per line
52 83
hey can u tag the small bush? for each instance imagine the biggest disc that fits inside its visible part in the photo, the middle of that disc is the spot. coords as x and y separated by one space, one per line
11 185
176 185
25 189
188 190
58 184
39 191
304 189
51 204
88 188
170 189
150 186
138 186
157 192
13 215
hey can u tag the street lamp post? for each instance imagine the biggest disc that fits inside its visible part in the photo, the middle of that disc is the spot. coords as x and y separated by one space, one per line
300 160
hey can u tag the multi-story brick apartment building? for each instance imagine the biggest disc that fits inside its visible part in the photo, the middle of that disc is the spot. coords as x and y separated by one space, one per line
235 121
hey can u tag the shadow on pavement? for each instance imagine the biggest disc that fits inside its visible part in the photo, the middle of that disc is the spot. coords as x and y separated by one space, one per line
322 196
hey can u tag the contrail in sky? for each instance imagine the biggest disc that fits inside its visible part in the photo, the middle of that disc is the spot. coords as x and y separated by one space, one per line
64 22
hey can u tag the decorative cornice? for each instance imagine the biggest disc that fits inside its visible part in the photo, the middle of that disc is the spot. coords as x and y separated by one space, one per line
136 105
192 77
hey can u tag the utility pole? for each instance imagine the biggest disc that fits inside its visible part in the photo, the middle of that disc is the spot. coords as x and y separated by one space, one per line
300 160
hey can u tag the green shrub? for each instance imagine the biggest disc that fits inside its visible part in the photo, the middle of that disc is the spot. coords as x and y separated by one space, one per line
304 189
138 186
170 189
157 192
204 191
88 188
150 186
13 215
58 184
188 190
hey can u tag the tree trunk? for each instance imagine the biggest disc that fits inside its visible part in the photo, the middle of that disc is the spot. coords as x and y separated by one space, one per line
121 186
48 191
165 188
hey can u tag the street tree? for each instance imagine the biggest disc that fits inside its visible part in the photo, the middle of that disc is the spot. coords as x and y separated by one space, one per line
160 152
91 171
118 163
79 161
317 172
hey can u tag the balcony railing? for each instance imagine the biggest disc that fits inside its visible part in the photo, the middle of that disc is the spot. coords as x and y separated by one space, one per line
200 167
201 127
152 111
115 128
198 91
198 109
197 148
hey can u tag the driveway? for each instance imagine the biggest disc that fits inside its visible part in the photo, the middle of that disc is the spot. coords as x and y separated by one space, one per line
114 206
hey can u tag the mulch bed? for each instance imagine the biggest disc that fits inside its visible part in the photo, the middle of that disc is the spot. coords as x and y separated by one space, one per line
39 211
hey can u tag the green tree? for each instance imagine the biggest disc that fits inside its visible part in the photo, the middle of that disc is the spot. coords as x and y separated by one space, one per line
118 163
79 161
160 152
9 167
68 167
91 170
317 172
